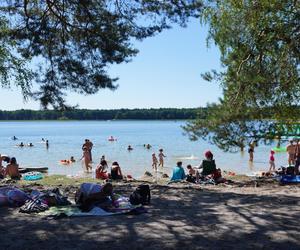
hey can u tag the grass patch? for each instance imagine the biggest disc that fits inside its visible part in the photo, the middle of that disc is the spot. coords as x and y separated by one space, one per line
60 180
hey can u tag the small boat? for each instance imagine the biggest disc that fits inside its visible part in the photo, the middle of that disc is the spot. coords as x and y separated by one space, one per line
33 169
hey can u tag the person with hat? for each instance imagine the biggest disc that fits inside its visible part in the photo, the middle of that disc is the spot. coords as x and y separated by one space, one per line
208 165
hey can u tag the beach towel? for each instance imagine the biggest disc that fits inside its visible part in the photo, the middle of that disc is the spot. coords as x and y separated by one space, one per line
33 206
72 210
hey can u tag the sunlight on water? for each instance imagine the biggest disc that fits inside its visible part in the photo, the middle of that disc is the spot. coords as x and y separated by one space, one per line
66 138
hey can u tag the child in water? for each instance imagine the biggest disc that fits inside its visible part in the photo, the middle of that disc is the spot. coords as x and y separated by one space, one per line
161 158
272 161
154 162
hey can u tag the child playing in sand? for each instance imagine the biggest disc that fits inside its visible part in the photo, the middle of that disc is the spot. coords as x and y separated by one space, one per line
154 162
161 158
272 161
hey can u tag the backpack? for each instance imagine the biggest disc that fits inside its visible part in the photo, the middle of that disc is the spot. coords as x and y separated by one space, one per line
141 195
290 170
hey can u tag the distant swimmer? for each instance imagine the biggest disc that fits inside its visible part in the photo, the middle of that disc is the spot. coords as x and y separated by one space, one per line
111 138
47 144
14 138
43 139
129 148
148 146
30 144
72 159
21 144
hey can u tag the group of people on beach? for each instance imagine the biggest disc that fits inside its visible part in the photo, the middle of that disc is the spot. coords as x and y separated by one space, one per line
293 151
207 170
11 169
101 169
115 171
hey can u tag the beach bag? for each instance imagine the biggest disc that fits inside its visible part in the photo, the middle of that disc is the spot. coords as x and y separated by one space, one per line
17 197
141 195
290 170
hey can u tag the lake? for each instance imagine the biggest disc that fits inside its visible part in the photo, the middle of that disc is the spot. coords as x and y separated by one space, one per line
66 138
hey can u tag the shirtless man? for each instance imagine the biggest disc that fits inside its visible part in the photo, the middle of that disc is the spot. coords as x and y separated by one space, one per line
12 169
291 153
89 145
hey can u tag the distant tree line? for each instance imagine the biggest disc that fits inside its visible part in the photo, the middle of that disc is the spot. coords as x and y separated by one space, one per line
115 114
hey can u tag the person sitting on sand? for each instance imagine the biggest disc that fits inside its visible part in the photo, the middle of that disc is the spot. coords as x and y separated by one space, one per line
154 162
116 173
291 153
103 161
208 165
12 169
90 195
178 172
193 174
101 170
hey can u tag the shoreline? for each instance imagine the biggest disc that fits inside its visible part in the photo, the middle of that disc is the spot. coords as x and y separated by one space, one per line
249 214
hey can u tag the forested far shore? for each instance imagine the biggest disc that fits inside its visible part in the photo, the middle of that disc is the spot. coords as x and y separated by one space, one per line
113 114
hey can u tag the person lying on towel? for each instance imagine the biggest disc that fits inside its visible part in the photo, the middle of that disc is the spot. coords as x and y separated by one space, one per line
90 195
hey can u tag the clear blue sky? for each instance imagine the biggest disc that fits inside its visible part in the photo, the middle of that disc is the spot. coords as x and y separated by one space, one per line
165 73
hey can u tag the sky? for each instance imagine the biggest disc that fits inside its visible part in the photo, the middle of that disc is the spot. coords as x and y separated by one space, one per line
166 73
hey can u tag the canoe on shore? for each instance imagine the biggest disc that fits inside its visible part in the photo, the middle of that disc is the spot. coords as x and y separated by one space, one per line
33 169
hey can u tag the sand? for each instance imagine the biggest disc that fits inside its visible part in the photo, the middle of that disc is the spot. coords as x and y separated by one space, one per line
246 215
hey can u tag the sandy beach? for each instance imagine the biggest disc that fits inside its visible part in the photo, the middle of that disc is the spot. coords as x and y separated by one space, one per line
244 215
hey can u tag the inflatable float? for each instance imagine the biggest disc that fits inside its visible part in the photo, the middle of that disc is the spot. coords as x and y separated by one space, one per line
280 149
66 162
32 176
33 169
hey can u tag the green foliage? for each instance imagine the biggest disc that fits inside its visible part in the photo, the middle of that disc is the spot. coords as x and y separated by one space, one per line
114 114
74 42
260 54
13 69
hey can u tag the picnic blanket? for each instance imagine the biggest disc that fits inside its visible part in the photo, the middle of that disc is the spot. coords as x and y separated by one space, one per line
72 210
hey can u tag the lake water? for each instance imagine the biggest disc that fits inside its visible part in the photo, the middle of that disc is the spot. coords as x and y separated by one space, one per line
66 138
